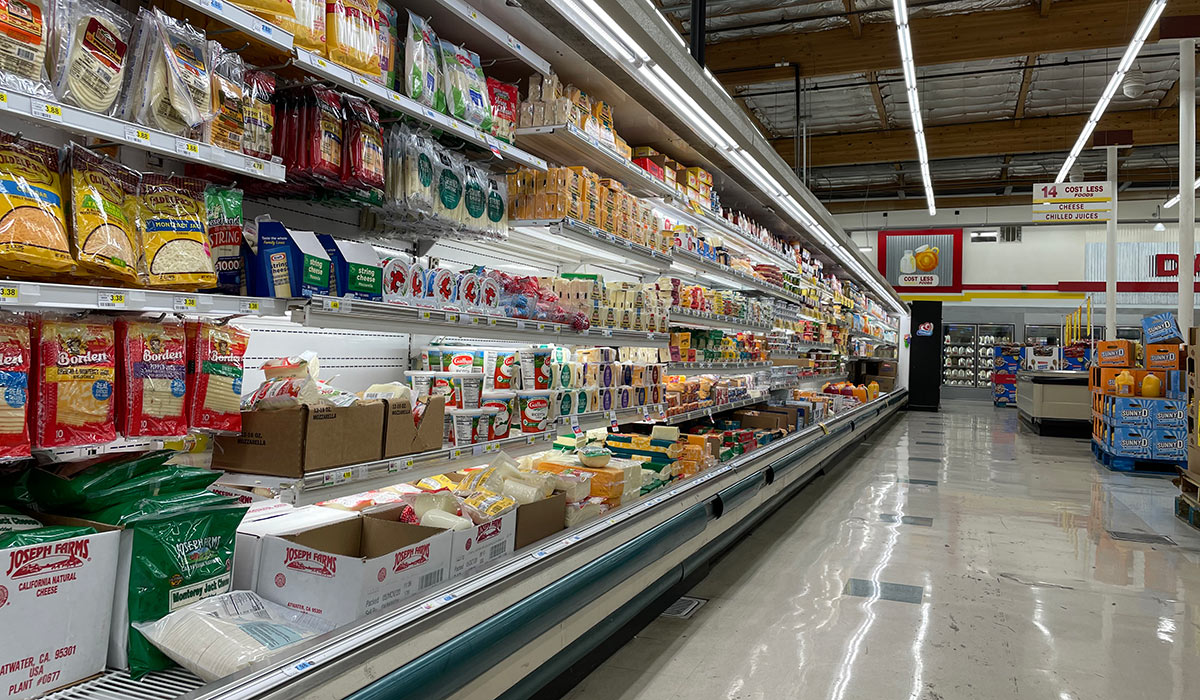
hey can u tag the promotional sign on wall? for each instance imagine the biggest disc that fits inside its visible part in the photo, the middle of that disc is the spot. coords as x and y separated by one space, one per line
928 260
1057 202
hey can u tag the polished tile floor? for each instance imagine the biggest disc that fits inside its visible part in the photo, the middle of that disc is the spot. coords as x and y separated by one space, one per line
952 556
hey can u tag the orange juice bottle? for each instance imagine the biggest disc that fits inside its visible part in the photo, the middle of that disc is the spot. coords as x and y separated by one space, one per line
873 390
1151 386
1124 382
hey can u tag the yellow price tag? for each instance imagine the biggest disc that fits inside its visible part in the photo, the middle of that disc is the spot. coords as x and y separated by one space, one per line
141 134
184 303
3 96
321 63
334 304
9 293
363 81
54 110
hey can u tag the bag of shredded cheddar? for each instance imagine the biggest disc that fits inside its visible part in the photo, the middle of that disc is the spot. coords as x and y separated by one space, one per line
153 378
172 221
103 222
215 389
483 506
33 230
73 385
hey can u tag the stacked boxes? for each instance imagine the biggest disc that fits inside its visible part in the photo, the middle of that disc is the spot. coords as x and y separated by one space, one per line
1006 360
1140 427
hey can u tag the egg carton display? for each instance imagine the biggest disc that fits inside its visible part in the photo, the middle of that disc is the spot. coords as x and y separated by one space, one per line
960 362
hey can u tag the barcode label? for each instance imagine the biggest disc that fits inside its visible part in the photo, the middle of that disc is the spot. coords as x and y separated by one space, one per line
431 579
498 550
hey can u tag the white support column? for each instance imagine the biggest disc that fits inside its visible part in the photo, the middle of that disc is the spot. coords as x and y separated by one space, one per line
1187 178
1110 251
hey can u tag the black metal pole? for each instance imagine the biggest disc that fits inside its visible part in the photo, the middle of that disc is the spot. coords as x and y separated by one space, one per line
698 19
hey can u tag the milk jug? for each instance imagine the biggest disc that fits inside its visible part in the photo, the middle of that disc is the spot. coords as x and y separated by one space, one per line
908 264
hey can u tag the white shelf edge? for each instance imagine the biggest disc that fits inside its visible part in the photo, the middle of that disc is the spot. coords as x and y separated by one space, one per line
20 294
237 18
572 229
497 34
703 319
632 176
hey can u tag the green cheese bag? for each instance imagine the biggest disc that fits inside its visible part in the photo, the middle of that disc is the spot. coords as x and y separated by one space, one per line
70 485
125 513
177 559
12 520
42 535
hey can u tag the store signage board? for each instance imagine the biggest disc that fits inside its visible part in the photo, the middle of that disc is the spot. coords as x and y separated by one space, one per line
923 261
1058 202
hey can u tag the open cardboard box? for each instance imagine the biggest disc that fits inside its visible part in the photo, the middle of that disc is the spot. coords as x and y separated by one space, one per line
541 519
401 436
346 570
291 441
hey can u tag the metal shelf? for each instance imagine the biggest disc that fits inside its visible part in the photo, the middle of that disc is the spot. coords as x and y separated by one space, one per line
250 25
868 336
577 231
717 367
47 112
704 218
390 99
464 25
569 145
42 295
739 277
710 410
704 319
354 314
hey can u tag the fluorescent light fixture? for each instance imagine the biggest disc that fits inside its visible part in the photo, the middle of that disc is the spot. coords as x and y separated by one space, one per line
1114 83
686 107
865 248
908 63
1175 200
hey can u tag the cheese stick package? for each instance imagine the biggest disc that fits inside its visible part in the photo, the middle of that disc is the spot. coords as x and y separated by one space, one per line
306 23
225 128
153 378
15 357
24 41
91 53
421 64
362 157
223 207
215 395
33 230
259 114
103 216
352 35
75 366
172 222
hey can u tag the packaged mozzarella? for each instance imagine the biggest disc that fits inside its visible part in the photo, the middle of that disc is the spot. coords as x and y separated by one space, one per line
215 379
582 511
153 378
306 364
496 225
76 367
464 86
446 521
475 198
420 155
521 492
397 391
15 357
448 174
424 502
422 73
284 392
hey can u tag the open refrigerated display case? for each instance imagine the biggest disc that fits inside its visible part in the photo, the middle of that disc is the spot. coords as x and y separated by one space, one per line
622 318
959 355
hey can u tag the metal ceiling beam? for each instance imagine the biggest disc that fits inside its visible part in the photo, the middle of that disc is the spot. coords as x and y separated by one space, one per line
991 138
1077 25
952 202
1171 98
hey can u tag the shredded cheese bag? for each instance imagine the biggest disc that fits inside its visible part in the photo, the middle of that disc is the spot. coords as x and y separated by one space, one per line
152 383
215 398
171 215
352 34
103 194
33 230
76 366
14 381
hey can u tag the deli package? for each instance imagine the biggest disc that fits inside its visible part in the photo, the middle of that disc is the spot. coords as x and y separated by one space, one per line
73 381
15 358
33 230
152 386
215 376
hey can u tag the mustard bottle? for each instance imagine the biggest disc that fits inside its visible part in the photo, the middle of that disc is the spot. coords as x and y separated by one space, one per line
1124 383
1151 386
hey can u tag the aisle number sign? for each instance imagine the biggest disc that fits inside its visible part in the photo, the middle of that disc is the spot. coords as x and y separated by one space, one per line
1058 202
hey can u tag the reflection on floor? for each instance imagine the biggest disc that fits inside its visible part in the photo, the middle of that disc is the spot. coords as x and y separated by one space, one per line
1041 575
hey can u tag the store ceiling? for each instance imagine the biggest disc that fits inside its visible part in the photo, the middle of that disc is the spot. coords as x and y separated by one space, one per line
1006 86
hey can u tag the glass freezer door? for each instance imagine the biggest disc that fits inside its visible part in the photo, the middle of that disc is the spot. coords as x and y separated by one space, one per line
991 335
958 353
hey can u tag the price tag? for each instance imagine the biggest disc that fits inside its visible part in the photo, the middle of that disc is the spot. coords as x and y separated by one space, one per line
185 147
520 325
110 300
46 110
530 439
491 321
320 62
476 321
575 426
491 447
245 306
255 165
331 304
363 81
607 333
266 29
451 317
184 303
137 135
9 294
216 5
3 97
424 314
393 96
456 453
338 477
585 331
492 144
541 326
612 420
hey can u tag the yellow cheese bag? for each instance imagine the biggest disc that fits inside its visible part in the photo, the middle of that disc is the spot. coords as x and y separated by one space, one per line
171 221
352 34
104 236
33 230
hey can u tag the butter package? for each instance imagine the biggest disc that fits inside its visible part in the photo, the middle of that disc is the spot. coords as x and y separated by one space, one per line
355 270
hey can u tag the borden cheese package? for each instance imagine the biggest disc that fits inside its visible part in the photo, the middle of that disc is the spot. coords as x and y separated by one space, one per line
153 378
75 368
14 381
215 391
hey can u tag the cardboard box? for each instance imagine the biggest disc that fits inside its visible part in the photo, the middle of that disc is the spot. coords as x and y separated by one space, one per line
57 612
537 521
289 442
1103 379
764 420
1161 328
886 384
1132 411
790 412
355 268
1132 442
343 571
1116 353
286 257
1169 444
248 543
1168 413
1176 386
1166 356
401 436
474 548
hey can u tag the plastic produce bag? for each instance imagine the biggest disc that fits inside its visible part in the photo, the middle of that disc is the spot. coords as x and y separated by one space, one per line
421 64
152 382
92 54
73 383
352 35
227 633
42 535
104 238
259 114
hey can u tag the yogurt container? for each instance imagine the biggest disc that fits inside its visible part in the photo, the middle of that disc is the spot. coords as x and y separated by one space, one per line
534 409
535 369
464 360
466 389
499 367
504 402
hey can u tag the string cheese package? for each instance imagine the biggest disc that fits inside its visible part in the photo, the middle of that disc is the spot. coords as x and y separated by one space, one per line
73 385
172 220
259 114
269 8
104 237
474 206
227 124
420 153
385 23
215 392
175 87
496 225
308 26
15 357
448 188
464 87
352 35
362 160
153 377
223 209
92 54
24 40
421 64
33 230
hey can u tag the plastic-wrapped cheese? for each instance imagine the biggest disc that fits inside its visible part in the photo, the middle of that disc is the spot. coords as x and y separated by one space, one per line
521 492
422 503
446 521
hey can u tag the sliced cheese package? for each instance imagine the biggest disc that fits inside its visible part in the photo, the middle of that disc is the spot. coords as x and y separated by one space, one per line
15 357
91 53
172 85
24 40
172 220
153 378
215 379
259 114
104 238
33 230
227 124
75 366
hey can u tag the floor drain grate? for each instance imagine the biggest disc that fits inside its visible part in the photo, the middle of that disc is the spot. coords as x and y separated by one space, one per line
684 608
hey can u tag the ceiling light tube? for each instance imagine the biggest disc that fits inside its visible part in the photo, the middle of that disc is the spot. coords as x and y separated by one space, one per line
1135 45
615 29
1175 200
908 63
611 44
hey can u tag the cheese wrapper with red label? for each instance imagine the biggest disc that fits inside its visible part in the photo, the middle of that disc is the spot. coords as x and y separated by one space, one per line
14 382
152 385
215 391
75 369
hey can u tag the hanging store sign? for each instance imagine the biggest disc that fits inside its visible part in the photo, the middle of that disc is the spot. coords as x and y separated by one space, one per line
1058 202
928 260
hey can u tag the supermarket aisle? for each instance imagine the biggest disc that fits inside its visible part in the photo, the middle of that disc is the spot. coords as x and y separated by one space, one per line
956 558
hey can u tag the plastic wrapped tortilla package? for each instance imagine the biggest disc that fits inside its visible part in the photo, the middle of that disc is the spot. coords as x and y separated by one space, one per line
421 66
218 636
24 41
92 53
